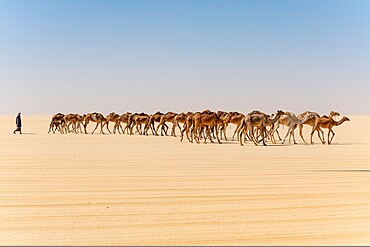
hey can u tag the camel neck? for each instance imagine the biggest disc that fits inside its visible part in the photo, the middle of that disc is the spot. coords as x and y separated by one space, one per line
339 122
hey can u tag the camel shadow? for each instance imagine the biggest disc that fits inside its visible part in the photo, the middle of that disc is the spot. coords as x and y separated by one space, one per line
347 143
343 170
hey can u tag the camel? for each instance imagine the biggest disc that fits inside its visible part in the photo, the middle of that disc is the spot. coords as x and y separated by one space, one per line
208 121
124 118
57 123
291 120
234 118
311 121
179 118
98 118
186 127
168 117
75 120
156 117
138 119
327 123
259 120
221 122
111 117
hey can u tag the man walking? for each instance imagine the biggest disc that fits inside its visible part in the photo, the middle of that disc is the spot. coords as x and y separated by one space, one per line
18 122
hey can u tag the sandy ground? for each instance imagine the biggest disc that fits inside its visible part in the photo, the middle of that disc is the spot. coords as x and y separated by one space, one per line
147 190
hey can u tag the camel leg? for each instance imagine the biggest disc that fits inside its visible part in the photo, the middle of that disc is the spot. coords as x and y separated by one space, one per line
251 136
74 128
95 128
263 136
241 137
311 136
126 129
195 134
322 134
166 130
222 130
101 128
292 133
85 128
115 128
218 139
108 127
236 131
320 131
160 124
300 133
137 128
49 128
182 132
333 134
208 133
278 134
106 123
173 130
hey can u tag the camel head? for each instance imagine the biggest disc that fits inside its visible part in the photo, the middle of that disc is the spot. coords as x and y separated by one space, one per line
280 113
346 119
334 114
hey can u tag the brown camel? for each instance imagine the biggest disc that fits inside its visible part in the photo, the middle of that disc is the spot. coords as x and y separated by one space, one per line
138 119
311 121
124 118
98 118
187 126
155 118
169 117
327 123
233 118
57 123
111 117
75 120
179 118
207 121
258 120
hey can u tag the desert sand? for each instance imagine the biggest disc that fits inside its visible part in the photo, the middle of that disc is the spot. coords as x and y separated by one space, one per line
147 190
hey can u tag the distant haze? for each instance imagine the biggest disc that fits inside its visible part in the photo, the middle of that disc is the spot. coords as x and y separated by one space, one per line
83 56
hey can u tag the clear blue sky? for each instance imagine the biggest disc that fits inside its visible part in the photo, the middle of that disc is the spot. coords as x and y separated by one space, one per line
82 56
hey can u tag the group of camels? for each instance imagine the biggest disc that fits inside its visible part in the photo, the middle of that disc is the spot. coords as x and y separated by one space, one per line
255 126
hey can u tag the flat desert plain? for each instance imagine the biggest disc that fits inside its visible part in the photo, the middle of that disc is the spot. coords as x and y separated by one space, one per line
98 189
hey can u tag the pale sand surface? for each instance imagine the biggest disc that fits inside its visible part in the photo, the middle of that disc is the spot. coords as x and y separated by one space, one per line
137 190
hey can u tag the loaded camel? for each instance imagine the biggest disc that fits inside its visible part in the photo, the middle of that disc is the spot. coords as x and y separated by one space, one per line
98 118
111 117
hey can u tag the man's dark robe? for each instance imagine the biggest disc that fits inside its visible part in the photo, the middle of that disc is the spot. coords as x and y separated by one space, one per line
18 121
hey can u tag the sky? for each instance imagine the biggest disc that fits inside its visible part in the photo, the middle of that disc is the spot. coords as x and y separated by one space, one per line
78 56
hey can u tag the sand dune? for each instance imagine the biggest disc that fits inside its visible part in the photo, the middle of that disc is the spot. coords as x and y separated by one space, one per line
146 190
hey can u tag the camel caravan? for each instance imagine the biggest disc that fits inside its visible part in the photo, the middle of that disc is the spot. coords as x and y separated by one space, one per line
256 126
